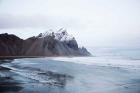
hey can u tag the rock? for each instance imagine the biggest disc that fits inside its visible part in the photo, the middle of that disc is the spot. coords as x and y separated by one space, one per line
10 45
45 44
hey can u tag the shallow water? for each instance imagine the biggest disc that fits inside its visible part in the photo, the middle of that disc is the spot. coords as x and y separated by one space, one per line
110 70
71 75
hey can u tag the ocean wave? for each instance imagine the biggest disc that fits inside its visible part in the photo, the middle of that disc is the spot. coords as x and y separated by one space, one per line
102 61
45 77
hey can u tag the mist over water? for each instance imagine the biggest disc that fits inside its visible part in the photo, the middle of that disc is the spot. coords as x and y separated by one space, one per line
118 52
110 70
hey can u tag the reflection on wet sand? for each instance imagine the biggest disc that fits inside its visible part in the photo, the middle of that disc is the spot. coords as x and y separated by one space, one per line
7 84
24 78
56 78
50 76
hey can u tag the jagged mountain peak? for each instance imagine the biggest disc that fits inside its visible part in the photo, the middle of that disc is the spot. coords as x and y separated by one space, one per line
42 45
61 35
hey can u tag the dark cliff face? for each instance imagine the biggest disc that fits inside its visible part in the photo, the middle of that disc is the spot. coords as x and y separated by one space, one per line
10 45
50 44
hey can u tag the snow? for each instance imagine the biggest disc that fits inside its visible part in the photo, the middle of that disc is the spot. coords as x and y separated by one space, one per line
60 35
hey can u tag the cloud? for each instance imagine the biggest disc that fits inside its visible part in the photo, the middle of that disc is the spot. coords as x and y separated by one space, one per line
104 22
37 21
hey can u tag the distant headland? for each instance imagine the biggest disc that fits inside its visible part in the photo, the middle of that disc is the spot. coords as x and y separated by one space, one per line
50 43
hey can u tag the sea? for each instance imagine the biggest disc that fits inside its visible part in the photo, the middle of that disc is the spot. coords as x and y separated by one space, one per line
108 70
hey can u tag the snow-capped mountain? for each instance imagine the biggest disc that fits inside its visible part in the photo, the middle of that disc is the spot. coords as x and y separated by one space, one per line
50 43
61 35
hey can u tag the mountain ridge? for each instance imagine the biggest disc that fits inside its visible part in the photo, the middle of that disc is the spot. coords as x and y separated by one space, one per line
51 43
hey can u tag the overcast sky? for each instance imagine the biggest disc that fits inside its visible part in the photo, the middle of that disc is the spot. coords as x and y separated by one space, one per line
92 22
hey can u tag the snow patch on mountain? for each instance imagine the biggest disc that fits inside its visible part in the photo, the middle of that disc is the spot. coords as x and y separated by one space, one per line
60 35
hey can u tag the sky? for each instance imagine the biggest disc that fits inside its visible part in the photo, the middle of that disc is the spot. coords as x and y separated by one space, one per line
92 22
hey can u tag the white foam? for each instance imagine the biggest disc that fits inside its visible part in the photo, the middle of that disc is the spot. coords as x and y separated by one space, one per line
32 74
135 64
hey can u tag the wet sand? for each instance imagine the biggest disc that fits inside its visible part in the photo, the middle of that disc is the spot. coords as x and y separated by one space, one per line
7 83
43 75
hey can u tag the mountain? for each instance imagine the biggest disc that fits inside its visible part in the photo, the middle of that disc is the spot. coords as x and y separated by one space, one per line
50 43
10 45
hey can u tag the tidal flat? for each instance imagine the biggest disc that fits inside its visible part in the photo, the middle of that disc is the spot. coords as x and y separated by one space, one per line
68 75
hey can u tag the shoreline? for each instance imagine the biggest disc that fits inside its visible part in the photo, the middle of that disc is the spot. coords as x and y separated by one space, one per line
18 57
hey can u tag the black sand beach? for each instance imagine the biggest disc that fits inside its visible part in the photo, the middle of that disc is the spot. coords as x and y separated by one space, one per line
45 75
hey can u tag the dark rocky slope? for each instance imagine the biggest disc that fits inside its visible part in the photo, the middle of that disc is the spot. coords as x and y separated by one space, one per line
10 45
45 44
